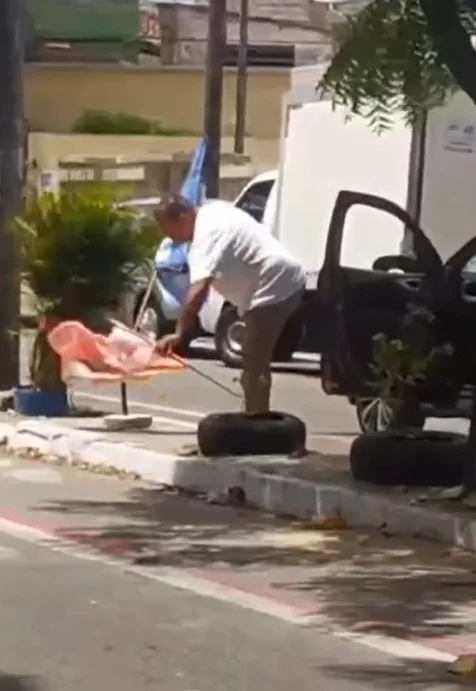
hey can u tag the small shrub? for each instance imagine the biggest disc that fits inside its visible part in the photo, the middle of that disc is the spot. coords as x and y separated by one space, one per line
104 122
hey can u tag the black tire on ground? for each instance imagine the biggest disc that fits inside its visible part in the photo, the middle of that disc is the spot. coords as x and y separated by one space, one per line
225 344
374 415
413 458
243 434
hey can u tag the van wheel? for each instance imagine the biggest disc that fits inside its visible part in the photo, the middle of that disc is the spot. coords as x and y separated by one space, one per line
229 337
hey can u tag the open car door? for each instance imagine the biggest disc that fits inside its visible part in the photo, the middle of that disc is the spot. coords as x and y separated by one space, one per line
459 318
357 304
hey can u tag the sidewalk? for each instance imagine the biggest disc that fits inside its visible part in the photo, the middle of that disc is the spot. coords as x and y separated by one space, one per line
318 486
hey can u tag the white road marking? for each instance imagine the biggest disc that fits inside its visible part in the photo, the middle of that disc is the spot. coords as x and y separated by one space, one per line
397 647
41 475
207 344
185 412
177 578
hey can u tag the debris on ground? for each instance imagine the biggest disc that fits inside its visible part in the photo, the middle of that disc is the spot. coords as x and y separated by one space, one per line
464 666
453 492
120 423
146 558
236 496
332 522
188 451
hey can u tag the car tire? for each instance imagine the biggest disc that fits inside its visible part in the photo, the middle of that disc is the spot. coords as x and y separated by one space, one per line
375 415
157 326
226 343
413 458
246 434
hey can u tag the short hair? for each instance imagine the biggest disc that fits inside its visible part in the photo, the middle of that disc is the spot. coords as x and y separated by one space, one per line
172 206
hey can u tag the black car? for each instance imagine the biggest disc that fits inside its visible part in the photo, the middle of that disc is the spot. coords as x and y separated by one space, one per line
359 306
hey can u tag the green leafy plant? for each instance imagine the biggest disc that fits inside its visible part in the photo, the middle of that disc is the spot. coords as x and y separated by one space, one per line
403 55
398 370
80 253
396 367
104 122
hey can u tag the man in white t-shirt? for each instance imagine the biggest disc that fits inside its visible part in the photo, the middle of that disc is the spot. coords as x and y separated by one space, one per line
250 268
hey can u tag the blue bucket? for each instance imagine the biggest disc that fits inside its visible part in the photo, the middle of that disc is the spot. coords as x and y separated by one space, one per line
40 402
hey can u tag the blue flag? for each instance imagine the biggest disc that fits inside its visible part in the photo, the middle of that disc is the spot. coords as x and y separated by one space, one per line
193 185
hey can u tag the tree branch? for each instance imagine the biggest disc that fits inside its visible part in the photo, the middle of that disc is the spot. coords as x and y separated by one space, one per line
452 41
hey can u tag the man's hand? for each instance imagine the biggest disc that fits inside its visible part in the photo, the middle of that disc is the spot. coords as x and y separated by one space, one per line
168 344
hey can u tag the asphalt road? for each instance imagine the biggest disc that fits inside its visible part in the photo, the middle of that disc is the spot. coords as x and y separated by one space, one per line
76 618
296 389
187 396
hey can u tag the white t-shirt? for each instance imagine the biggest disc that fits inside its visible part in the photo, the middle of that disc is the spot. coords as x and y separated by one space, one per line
249 267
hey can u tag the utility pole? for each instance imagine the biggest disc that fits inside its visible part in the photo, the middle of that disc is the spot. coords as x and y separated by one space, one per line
241 76
214 93
12 129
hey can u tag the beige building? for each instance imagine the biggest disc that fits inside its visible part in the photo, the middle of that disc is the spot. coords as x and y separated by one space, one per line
56 96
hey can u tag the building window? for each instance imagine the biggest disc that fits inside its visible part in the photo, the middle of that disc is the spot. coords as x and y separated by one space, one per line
262 56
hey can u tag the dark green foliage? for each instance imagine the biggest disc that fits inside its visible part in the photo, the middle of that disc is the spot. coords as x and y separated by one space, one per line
104 122
391 58
80 251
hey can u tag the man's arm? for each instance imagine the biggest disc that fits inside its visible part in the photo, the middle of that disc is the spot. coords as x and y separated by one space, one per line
196 296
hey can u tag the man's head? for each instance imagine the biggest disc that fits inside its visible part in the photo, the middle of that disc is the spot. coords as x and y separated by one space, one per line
176 217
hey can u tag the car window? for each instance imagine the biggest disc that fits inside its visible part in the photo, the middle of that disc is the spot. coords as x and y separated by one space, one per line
253 201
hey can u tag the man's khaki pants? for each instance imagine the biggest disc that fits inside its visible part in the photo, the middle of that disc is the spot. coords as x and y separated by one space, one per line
263 326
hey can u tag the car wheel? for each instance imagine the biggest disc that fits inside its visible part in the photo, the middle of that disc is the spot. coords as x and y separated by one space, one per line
229 334
152 323
377 415
229 337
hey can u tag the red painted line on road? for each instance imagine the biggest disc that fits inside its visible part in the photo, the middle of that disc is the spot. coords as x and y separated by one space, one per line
79 537
248 584
454 645
255 585
22 521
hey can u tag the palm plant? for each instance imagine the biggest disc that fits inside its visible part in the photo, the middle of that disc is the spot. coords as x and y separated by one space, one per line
80 253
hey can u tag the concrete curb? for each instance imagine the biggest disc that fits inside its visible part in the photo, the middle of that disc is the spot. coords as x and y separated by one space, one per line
270 491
